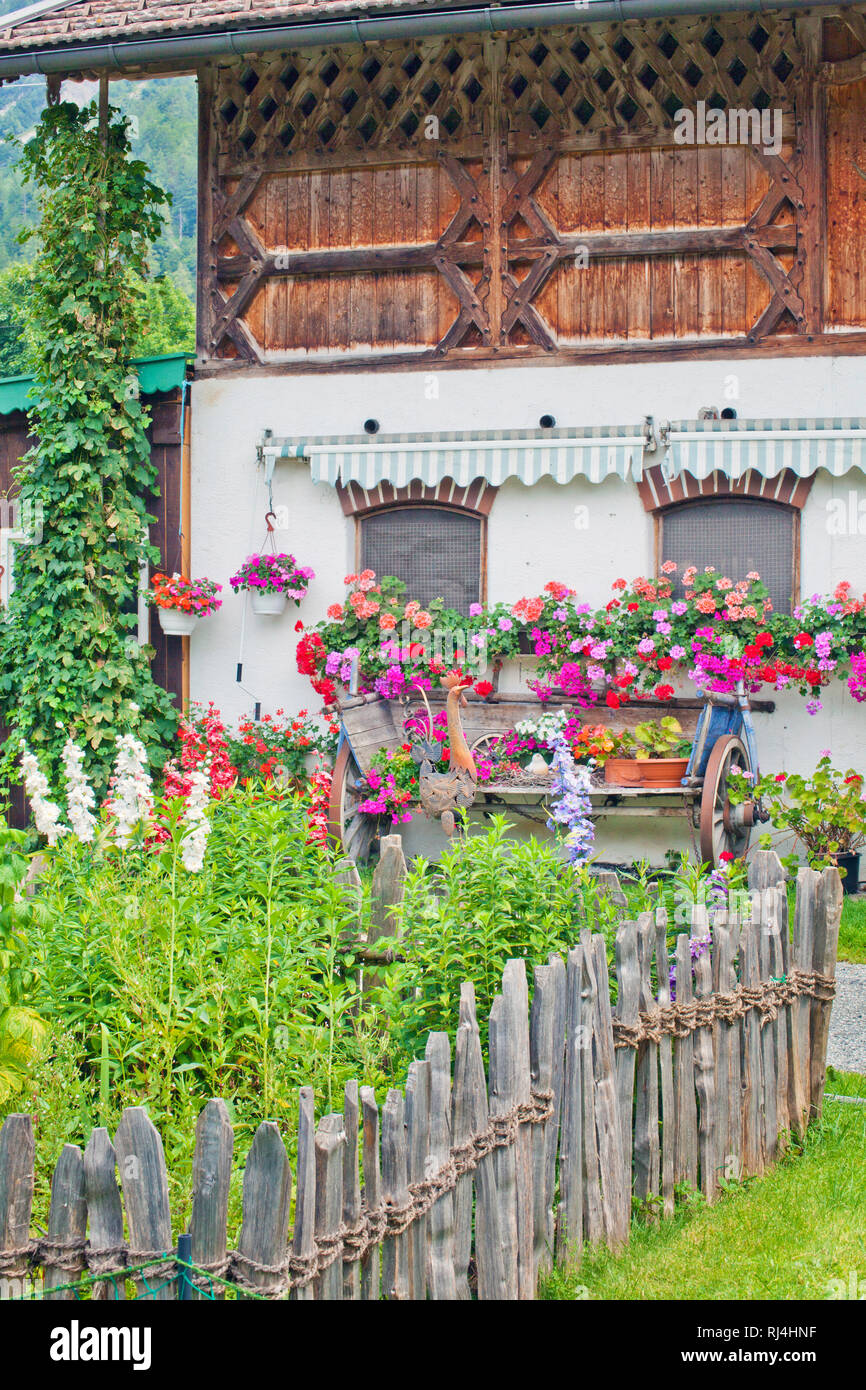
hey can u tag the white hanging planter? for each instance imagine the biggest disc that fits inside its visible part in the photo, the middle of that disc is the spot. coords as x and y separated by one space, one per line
175 623
271 604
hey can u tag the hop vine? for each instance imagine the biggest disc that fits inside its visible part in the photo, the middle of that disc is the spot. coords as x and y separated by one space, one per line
69 662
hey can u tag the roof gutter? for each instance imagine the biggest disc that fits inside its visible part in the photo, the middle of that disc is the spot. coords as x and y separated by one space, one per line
194 48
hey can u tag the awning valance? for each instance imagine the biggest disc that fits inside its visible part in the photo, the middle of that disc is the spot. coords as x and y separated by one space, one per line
768 447
495 455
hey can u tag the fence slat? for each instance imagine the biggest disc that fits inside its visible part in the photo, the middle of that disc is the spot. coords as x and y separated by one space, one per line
703 1055
542 1047
472 1112
799 1068
684 1075
552 1128
417 1143
267 1198
304 1235
211 1179
441 1279
330 1147
646 1119
395 1252
67 1224
824 949
769 1060
593 1209
351 1186
627 1012
17 1158
141 1164
516 995
577 1036
721 1045
753 1120
666 1071
501 1092
616 1189
105 1213
371 1264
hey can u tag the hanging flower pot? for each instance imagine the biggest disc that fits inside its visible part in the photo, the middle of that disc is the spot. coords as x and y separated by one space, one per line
271 580
181 602
175 623
272 602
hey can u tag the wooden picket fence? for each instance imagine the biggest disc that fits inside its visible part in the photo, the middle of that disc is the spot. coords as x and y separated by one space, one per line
474 1184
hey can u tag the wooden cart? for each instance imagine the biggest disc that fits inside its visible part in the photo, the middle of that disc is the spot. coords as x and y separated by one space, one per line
720 726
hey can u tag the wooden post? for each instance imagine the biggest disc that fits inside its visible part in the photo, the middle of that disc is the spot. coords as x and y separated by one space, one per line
551 1129
17 1158
684 1076
67 1224
542 1049
516 995
389 877
646 1121
827 918
395 1271
666 1070
593 1211
799 1065
471 1117
351 1186
267 1198
441 1277
703 1057
330 1146
105 1212
577 1034
753 1120
304 1240
211 1178
371 1266
627 1011
615 1176
141 1164
417 1141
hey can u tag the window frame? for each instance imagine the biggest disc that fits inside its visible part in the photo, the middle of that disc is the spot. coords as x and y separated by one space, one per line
426 504
720 498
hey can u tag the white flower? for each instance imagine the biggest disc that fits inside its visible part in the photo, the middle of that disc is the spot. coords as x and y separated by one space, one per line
46 814
80 799
132 794
195 820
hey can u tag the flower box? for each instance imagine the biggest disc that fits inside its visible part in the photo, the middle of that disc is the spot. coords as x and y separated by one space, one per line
645 772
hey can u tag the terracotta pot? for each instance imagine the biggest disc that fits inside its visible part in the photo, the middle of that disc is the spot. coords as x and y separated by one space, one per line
175 623
646 772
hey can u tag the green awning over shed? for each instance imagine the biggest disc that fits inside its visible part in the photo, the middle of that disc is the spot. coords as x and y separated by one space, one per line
154 374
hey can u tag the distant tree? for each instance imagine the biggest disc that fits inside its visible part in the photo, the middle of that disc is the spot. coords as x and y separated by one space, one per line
14 291
165 320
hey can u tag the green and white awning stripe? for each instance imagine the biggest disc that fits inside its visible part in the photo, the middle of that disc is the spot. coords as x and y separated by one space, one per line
768 447
495 456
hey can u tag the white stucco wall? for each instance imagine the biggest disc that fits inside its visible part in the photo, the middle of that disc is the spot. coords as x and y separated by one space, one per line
533 535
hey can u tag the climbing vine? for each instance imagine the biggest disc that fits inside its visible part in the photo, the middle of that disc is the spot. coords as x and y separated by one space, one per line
69 661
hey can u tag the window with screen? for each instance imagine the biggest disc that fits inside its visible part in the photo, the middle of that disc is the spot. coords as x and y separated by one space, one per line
736 535
436 552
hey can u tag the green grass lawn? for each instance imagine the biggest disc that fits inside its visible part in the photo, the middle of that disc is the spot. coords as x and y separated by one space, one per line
852 932
784 1235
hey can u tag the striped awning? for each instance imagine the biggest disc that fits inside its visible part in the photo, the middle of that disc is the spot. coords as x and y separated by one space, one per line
494 455
768 447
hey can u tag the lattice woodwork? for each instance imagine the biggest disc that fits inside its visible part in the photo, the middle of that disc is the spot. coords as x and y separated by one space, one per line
633 77
375 97
495 251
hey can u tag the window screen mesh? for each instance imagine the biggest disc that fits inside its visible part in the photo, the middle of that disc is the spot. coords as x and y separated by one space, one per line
735 536
435 552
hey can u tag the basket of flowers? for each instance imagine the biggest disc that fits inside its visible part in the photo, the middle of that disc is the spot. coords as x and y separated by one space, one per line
271 580
182 602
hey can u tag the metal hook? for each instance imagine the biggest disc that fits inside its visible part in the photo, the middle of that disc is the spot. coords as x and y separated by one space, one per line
268 515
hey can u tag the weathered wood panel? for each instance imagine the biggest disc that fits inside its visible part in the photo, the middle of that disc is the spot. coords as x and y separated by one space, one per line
846 205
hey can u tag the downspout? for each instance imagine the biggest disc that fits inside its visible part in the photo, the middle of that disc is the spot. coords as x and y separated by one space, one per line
362 29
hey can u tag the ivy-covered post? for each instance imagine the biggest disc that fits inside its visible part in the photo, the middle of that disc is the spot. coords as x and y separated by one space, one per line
69 660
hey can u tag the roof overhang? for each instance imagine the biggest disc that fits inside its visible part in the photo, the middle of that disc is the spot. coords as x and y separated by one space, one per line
126 56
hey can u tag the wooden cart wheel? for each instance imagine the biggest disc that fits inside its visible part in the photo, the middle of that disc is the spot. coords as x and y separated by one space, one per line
348 827
724 827
484 743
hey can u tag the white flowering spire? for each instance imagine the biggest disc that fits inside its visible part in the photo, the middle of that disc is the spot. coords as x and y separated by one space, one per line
195 821
132 793
80 799
46 814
